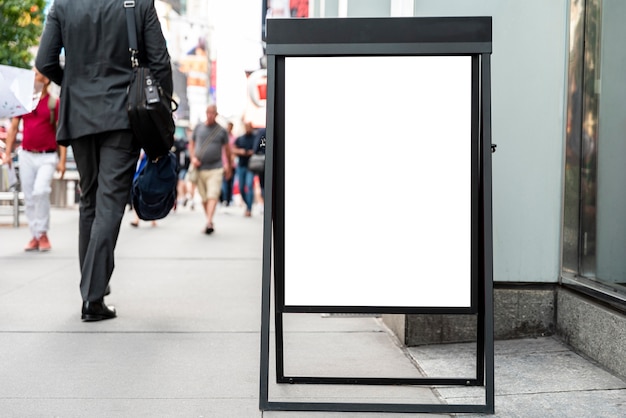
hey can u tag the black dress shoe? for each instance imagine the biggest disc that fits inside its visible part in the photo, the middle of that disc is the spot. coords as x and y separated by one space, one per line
97 311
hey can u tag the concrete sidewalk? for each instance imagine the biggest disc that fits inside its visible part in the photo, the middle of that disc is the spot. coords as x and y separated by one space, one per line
187 337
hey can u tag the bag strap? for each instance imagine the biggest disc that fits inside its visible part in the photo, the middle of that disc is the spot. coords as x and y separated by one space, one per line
133 48
207 141
129 5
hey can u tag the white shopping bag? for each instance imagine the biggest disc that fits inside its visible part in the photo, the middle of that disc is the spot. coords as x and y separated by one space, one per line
18 93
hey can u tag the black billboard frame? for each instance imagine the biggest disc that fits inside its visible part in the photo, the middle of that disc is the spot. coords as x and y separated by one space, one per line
465 36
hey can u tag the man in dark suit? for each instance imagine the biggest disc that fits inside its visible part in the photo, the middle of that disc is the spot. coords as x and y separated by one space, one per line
94 121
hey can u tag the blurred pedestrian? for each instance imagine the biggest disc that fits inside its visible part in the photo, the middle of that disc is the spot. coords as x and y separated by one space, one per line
208 141
135 222
93 120
190 186
243 148
38 159
259 148
226 197
181 150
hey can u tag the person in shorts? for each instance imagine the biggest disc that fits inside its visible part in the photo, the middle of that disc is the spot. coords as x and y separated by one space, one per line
207 143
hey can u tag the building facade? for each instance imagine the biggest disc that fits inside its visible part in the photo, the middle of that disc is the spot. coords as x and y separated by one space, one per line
559 223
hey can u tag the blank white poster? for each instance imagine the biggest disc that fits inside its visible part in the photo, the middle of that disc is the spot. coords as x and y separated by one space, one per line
378 181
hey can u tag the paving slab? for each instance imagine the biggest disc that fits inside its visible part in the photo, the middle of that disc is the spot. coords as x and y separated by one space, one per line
187 338
534 377
186 342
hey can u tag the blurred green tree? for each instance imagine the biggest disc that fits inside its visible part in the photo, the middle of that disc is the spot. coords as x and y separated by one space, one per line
21 24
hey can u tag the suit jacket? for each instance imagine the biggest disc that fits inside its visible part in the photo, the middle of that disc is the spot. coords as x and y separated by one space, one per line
97 70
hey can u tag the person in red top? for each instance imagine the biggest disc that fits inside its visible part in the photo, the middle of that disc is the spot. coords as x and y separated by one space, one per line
38 159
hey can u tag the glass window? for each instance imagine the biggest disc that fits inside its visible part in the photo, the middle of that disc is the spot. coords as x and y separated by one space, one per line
594 231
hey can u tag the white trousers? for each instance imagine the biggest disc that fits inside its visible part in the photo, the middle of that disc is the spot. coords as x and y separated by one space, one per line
36 172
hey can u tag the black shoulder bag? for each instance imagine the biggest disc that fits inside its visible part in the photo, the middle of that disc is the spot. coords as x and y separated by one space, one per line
149 107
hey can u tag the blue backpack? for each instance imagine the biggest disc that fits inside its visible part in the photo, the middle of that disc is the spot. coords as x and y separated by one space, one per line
154 188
